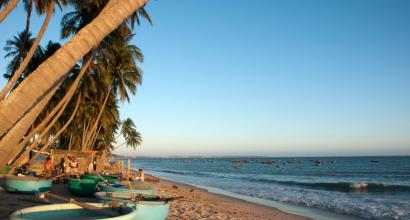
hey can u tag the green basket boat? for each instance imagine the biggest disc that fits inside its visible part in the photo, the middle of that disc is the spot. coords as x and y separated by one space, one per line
68 211
97 178
151 208
82 187
27 184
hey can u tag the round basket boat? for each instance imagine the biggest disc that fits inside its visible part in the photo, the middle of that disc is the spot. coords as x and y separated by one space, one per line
97 178
122 196
143 185
27 184
68 211
82 187
150 208
124 188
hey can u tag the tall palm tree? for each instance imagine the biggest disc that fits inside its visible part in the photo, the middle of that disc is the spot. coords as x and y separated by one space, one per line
16 49
115 60
131 135
29 98
41 6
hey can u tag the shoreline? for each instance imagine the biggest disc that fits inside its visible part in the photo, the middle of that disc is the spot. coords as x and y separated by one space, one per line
275 206
200 203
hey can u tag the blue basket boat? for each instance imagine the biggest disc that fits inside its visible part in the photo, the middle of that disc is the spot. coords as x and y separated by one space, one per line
27 184
69 211
151 208
123 188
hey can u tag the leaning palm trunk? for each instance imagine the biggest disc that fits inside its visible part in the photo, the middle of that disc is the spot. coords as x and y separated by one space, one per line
22 160
10 151
45 131
95 137
8 9
6 149
97 120
34 88
30 53
17 150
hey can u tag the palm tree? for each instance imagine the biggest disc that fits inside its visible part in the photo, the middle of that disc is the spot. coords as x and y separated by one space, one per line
131 135
30 97
115 64
41 6
32 93
16 49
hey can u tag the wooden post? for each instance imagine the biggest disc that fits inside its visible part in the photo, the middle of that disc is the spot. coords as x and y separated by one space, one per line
122 168
129 169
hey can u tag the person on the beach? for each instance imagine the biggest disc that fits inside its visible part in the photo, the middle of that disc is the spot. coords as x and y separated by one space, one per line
74 165
67 168
61 166
48 166
90 168
140 175
95 165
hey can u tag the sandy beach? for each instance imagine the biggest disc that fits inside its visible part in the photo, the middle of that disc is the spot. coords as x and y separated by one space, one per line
195 203
200 204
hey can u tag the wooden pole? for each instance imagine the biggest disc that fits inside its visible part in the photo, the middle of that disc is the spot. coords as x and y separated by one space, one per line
129 169
83 205
122 168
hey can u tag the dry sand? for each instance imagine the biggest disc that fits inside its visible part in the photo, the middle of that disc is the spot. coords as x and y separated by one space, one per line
195 204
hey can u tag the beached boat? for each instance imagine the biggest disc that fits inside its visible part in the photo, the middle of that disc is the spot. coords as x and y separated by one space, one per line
82 187
143 185
71 211
98 178
122 196
124 188
149 208
27 184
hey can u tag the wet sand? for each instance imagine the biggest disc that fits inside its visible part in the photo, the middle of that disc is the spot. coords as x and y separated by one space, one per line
200 204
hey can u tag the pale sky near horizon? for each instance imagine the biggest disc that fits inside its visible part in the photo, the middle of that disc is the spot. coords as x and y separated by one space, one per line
268 77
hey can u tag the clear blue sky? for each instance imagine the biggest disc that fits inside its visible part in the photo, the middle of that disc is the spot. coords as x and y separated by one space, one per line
267 77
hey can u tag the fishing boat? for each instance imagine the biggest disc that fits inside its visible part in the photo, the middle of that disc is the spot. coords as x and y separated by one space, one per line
82 187
124 188
68 211
27 184
98 177
148 207
143 184
122 196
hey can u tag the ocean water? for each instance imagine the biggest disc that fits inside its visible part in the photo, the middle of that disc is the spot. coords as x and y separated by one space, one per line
365 187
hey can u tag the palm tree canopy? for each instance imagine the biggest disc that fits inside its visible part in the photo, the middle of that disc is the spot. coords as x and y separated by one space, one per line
16 49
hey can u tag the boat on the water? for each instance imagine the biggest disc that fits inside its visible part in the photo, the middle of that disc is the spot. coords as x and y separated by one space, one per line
68 211
148 207
27 184
82 187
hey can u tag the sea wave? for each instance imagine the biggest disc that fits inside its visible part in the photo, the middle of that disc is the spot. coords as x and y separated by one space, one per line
339 186
329 186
